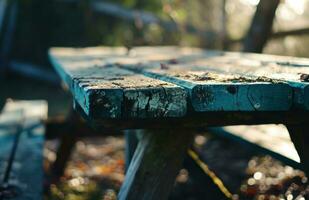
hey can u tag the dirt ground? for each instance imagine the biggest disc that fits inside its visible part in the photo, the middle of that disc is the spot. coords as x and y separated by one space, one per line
96 172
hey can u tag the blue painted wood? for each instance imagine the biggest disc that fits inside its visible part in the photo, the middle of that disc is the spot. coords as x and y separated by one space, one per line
259 67
291 70
27 169
160 81
261 145
227 95
114 83
106 91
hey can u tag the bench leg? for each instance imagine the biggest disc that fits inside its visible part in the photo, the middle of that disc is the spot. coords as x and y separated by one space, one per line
300 137
155 164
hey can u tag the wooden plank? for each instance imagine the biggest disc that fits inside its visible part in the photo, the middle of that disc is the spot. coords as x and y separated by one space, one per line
155 164
3 5
27 184
215 81
290 70
270 139
105 91
209 88
245 66
215 92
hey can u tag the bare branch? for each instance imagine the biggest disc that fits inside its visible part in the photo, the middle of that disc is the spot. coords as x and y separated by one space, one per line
261 26
147 18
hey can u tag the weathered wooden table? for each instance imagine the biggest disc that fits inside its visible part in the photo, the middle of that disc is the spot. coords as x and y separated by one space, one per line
172 91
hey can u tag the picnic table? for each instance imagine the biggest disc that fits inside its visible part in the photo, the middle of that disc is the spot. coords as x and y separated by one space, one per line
171 92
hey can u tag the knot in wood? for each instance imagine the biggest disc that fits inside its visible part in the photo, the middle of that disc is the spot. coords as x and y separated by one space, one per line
304 77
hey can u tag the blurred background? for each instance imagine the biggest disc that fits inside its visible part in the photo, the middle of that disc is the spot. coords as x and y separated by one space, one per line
202 23
28 28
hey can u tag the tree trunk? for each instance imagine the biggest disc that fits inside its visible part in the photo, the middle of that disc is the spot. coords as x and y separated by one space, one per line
261 26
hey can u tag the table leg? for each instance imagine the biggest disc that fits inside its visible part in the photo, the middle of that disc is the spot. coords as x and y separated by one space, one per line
67 144
155 164
130 146
300 137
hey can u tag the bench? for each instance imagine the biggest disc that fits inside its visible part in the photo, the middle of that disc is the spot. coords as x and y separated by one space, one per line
172 92
21 155
271 139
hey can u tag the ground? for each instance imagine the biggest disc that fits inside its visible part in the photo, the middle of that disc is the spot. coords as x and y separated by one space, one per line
96 172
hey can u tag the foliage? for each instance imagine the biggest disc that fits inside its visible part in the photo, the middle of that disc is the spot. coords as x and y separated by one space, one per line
67 191
42 24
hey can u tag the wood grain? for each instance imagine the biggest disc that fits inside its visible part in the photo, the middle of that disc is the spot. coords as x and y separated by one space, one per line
107 91
155 164
179 76
235 67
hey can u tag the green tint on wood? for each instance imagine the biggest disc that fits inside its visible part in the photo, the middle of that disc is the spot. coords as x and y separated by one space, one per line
106 91
185 65
26 174
151 82
151 87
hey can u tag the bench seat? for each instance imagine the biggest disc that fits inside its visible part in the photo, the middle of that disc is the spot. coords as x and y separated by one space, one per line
21 124
272 139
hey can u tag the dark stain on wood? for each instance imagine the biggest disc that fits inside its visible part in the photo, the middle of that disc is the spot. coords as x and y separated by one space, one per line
115 79
304 77
231 89
103 103
203 94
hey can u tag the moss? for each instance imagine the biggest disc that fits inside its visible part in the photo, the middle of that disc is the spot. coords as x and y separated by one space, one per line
67 191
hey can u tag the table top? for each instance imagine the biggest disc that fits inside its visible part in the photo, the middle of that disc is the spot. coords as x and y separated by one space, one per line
172 82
